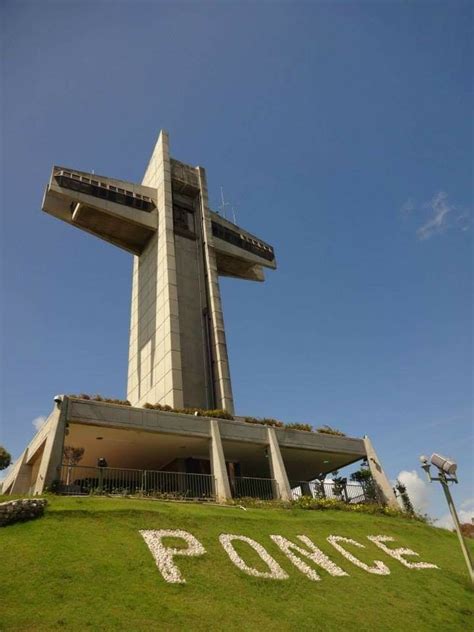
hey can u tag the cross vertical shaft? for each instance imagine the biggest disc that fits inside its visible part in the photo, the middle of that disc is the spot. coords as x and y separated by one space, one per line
177 348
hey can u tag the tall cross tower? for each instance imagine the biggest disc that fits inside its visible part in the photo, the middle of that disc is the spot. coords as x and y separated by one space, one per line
177 349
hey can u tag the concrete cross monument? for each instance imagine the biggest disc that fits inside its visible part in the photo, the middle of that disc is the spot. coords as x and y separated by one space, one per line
177 357
177 350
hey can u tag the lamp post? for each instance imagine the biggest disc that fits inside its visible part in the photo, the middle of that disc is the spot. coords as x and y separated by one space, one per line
101 464
447 474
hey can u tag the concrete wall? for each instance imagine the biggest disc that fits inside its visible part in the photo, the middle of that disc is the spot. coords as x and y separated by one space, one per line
37 467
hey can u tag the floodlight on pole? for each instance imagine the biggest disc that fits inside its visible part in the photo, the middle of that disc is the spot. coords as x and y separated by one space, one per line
447 474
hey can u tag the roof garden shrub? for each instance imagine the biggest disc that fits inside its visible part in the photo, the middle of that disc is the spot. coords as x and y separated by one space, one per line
296 426
332 431
163 407
217 413
99 398
264 422
197 412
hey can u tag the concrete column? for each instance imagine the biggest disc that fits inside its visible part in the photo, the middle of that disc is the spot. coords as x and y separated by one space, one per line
277 466
218 467
52 455
385 492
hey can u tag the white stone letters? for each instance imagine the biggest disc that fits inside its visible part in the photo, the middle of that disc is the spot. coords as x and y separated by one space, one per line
275 570
164 555
379 568
398 554
314 554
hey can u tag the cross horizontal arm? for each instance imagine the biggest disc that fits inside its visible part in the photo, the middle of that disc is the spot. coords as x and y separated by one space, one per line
119 212
239 253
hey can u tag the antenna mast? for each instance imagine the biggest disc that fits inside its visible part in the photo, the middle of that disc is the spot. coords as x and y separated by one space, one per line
222 208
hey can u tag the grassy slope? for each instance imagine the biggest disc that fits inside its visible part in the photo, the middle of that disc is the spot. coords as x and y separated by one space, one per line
85 567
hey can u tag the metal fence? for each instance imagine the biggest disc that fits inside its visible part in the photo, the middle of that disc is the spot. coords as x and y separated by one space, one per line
78 479
251 487
352 493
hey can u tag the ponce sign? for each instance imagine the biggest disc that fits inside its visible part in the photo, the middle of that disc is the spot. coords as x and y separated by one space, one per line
296 553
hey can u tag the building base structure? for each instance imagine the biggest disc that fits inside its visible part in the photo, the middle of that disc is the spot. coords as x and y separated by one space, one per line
173 454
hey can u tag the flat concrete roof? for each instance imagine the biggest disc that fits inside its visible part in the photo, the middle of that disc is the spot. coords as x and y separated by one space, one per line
98 413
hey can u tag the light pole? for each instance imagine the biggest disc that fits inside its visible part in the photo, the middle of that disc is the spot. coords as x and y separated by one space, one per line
447 474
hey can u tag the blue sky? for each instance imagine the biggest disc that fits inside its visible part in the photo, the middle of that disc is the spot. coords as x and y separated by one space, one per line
341 132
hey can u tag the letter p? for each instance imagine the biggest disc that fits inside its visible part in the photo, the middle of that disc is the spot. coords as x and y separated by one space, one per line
164 555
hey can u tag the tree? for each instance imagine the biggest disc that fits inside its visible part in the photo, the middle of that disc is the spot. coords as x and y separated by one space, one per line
318 489
72 455
364 477
339 485
402 492
5 458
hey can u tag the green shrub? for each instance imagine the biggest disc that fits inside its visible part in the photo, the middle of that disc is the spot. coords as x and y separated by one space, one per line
402 491
99 398
296 426
198 412
363 476
332 431
163 407
219 413
120 402
315 504
253 420
264 422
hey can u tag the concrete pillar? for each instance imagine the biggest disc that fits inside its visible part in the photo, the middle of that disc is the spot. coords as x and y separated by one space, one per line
277 466
218 467
385 493
52 455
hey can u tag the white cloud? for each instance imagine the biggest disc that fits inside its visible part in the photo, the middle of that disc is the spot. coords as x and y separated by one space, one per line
463 222
468 504
465 514
408 207
418 490
38 421
439 208
440 215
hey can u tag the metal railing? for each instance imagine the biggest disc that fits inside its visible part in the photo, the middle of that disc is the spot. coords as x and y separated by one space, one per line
351 493
251 487
79 479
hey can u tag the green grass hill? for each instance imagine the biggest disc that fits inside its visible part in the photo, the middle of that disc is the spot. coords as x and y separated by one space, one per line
85 566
